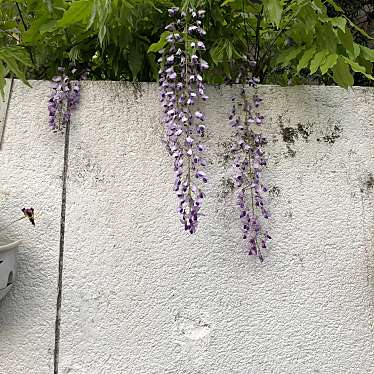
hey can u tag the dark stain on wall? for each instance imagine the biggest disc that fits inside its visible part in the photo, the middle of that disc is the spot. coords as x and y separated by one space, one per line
333 134
274 191
137 90
289 134
225 156
305 130
370 182
227 188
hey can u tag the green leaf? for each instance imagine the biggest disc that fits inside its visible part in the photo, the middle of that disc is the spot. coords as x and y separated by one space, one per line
367 64
227 2
238 5
135 60
367 53
49 26
318 60
217 52
342 74
273 9
288 55
308 19
226 69
10 56
229 50
18 53
74 53
304 61
354 65
13 67
33 33
326 37
346 40
318 6
339 22
356 50
91 20
102 33
78 12
217 16
369 76
335 6
330 61
154 65
155 47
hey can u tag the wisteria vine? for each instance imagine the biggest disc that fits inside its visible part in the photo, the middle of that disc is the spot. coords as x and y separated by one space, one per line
249 162
181 92
64 98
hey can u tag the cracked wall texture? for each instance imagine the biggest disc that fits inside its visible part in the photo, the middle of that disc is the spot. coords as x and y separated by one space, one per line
141 296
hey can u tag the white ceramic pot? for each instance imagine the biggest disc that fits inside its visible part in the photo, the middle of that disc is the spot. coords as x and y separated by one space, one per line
8 266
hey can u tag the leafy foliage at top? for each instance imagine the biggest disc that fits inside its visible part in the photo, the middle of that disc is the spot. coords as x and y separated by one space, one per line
292 41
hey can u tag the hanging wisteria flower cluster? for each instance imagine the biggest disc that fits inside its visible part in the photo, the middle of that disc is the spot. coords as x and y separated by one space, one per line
64 98
250 160
181 92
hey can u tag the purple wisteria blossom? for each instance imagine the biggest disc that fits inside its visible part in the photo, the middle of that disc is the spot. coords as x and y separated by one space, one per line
64 98
250 160
181 92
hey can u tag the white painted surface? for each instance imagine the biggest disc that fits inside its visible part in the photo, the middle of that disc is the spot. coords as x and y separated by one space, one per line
31 162
140 295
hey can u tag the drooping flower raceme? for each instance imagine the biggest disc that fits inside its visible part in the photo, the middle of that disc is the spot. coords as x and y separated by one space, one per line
64 98
181 92
250 160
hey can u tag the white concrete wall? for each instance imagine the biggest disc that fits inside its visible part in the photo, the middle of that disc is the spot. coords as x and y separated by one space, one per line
141 296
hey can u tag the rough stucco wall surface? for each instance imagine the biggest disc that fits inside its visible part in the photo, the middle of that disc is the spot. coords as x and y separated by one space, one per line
140 295
31 161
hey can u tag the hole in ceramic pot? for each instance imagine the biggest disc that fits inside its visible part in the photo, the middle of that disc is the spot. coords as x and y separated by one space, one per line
10 278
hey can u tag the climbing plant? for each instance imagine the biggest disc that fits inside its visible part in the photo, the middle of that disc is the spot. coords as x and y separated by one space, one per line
293 41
